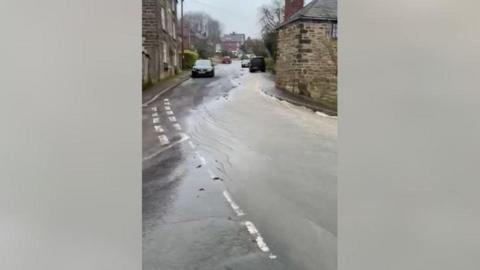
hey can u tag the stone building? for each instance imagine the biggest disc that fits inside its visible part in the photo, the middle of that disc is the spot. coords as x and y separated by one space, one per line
307 50
161 40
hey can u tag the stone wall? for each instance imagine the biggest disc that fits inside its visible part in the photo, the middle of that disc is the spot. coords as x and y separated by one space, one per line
306 61
155 65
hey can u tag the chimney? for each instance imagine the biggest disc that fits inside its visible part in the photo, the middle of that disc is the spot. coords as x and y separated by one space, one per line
292 6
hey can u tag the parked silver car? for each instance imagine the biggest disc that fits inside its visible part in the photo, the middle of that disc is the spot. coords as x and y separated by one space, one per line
245 63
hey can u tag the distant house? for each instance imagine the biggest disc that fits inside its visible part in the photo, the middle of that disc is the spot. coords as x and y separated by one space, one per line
161 39
232 42
307 50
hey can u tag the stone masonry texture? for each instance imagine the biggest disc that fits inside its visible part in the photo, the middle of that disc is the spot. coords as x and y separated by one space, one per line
306 60
155 66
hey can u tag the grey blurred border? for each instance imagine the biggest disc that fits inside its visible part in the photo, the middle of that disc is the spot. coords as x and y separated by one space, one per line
409 130
70 158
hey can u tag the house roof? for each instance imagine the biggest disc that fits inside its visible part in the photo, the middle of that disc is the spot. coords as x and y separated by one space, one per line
322 10
234 37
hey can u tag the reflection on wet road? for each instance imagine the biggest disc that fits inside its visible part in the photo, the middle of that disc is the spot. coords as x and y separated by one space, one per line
239 180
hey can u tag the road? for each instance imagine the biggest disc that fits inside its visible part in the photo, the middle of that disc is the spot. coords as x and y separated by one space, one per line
236 179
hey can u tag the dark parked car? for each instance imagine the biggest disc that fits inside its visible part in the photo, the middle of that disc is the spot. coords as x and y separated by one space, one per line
227 60
203 67
257 63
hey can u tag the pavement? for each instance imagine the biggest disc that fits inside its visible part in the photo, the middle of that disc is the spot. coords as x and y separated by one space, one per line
236 179
164 86
298 100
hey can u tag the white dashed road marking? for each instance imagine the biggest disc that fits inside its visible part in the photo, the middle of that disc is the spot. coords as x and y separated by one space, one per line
212 175
163 140
165 99
272 256
258 238
177 126
234 206
184 138
202 160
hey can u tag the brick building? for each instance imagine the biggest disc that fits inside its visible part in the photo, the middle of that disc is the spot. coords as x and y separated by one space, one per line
232 42
307 50
161 40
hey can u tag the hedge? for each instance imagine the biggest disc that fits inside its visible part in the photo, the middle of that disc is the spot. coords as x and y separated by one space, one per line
190 58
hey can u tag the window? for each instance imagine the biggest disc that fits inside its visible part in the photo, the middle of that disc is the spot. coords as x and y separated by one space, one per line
174 32
169 22
174 5
334 30
175 59
163 18
165 53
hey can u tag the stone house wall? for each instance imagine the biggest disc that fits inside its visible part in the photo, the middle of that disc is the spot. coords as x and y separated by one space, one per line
306 61
155 37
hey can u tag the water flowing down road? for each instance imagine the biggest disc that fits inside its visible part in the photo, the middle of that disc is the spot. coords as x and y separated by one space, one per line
236 179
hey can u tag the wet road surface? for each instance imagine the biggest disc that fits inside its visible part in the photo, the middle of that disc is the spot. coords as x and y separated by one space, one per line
235 179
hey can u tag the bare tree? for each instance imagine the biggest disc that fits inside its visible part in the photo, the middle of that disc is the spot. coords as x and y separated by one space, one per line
271 16
203 32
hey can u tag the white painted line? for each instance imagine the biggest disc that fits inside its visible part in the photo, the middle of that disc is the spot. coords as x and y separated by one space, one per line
212 175
163 140
169 113
144 105
166 103
155 115
184 138
191 144
172 119
177 126
258 238
154 98
159 129
234 206
165 99
325 115
202 160
154 109
156 120
168 108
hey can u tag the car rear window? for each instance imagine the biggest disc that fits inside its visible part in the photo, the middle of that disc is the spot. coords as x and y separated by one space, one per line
257 61
203 63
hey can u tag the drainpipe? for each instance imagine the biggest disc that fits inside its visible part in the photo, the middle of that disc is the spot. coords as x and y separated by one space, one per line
183 37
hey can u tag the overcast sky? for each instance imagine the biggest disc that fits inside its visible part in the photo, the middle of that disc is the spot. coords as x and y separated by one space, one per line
240 16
